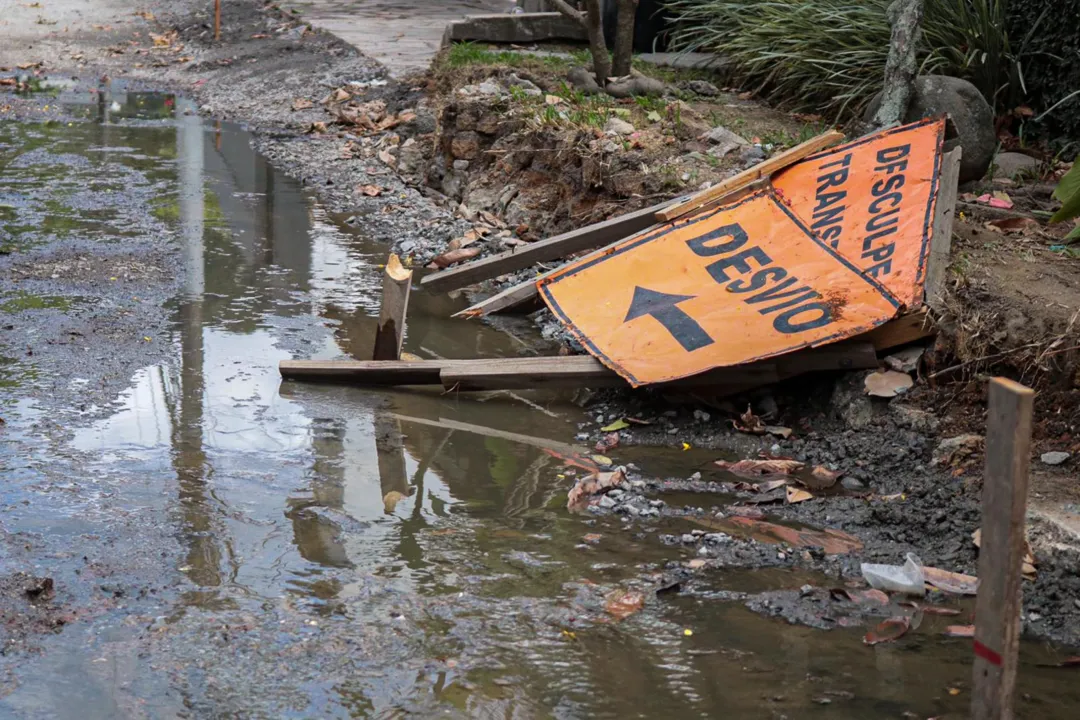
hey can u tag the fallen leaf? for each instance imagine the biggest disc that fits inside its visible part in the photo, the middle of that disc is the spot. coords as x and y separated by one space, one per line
622 604
575 460
454 256
960 631
869 596
748 422
341 95
591 538
1014 224
834 542
370 190
696 563
887 383
653 116
820 478
930 609
608 442
954 691
795 495
769 486
744 511
778 430
951 582
28 65
387 158
302 104
162 40
552 100
8 82
316 127
617 425
760 468
887 631
593 485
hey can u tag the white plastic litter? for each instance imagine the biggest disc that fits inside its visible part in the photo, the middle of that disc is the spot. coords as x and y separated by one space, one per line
894 578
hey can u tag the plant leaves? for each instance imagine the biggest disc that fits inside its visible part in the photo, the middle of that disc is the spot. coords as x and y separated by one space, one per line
617 425
1069 185
796 495
1070 208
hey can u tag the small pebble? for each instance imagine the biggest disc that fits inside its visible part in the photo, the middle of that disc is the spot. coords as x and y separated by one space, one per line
1055 457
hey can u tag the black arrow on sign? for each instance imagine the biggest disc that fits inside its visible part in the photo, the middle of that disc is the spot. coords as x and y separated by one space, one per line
662 306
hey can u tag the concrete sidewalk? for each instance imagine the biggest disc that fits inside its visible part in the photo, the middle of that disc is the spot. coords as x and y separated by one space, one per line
403 35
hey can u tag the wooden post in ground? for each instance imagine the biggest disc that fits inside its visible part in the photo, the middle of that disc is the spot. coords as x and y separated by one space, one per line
397 283
217 19
1004 504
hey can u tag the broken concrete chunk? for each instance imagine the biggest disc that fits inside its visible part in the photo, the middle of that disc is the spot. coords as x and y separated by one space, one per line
956 448
528 86
702 87
1055 457
636 86
616 126
488 88
888 383
906 360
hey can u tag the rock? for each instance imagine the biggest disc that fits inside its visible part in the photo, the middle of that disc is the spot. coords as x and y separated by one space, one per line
1011 164
701 416
717 538
461 165
516 28
606 501
488 88
851 483
702 87
956 448
616 126
410 157
1055 457
969 111
906 360
724 141
423 124
465 145
688 539
914 419
751 155
637 85
850 403
583 80
528 86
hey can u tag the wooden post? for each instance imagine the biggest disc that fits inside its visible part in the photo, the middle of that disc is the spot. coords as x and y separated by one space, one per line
941 238
1004 503
217 19
397 283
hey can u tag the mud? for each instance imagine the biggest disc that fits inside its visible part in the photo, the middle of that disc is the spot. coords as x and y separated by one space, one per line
402 552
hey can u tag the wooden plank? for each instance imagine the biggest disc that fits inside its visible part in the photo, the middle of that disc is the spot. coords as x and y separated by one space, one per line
573 371
851 355
908 328
366 372
1001 555
746 177
560 246
937 265
390 333
532 440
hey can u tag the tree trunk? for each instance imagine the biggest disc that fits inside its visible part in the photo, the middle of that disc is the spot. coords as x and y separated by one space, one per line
592 18
594 26
900 67
624 38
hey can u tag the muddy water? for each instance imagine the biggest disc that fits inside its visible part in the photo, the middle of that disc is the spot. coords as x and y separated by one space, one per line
231 545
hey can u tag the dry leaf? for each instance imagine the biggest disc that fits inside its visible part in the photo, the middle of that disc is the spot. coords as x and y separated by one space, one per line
341 95
778 431
302 104
960 631
593 485
608 442
370 190
454 256
834 542
591 538
28 65
759 468
553 99
795 495
748 422
892 629
316 127
624 603
1014 224
11 82
887 383
823 477
387 158
950 582
696 563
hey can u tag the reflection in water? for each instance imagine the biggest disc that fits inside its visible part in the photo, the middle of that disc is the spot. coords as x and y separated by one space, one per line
436 523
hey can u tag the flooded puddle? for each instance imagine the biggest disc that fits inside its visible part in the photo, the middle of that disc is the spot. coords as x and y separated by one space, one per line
289 550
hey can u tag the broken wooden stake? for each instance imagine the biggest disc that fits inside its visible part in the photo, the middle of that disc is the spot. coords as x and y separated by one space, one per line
560 246
752 175
1001 553
941 238
397 282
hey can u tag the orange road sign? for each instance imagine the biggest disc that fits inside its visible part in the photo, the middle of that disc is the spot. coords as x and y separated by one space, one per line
873 200
720 287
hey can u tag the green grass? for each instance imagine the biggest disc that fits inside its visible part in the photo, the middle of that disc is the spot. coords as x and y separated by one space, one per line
468 54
